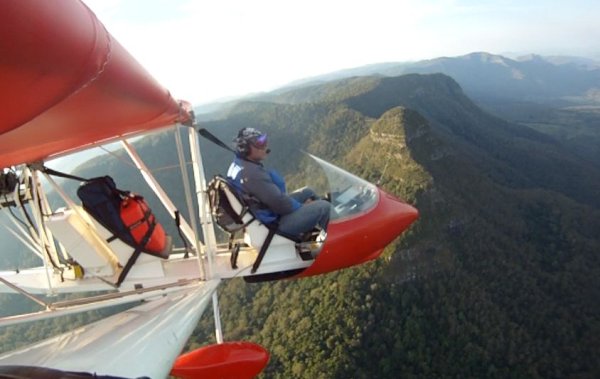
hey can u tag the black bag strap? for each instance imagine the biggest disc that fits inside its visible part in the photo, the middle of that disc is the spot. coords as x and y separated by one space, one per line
211 137
235 252
136 253
263 250
53 172
180 232
60 174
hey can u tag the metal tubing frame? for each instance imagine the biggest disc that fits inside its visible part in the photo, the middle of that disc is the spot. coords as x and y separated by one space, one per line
209 247
37 215
60 309
208 231
46 210
217 317
22 235
24 293
186 186
208 227
31 233
158 190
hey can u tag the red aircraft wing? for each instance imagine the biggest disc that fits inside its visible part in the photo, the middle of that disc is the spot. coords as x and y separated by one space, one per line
67 83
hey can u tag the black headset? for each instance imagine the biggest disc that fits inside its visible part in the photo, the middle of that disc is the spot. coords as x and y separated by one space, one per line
241 144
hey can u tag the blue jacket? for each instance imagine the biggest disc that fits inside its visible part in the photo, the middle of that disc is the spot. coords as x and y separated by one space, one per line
268 187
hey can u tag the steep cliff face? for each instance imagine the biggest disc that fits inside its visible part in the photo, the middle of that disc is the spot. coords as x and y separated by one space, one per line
510 154
383 156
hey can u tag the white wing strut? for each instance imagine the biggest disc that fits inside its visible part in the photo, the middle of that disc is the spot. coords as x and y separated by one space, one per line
153 333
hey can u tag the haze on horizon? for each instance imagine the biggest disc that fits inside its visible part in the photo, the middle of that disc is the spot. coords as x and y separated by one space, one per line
204 51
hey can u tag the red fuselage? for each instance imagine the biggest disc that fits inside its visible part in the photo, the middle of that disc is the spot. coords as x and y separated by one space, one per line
355 240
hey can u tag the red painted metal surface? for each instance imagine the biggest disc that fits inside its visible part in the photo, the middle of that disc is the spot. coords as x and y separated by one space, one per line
238 360
360 239
66 82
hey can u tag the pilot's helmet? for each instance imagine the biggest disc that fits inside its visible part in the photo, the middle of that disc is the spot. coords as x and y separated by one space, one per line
247 137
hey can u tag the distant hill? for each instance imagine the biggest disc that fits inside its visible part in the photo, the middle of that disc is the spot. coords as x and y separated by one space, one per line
557 96
488 76
522 156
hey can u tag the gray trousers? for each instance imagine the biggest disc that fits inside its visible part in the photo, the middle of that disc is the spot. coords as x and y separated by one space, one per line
304 219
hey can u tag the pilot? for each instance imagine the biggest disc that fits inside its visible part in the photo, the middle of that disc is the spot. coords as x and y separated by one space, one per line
296 213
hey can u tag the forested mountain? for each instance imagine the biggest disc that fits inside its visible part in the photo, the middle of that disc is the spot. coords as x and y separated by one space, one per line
558 96
498 278
515 156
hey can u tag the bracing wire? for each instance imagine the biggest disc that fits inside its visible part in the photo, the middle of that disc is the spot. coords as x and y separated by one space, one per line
129 163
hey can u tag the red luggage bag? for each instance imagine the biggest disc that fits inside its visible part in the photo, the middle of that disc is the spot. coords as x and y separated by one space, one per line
138 217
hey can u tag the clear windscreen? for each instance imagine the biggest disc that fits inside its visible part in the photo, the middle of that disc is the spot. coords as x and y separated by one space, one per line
349 194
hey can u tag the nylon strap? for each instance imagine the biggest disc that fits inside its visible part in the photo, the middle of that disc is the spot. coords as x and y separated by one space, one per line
211 137
263 250
185 244
135 255
50 171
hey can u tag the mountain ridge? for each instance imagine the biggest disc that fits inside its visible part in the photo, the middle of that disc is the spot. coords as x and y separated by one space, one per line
496 279
555 95
441 100
485 75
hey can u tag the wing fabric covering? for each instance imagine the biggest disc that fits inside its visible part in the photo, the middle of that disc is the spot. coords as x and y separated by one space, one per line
66 83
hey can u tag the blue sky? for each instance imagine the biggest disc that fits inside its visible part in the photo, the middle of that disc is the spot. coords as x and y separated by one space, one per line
205 50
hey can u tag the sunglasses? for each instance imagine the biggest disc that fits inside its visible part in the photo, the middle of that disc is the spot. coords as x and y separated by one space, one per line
260 142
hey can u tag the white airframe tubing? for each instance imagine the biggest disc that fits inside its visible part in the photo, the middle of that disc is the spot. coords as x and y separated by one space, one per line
160 193
186 187
45 208
23 292
74 309
27 243
31 234
208 227
217 317
37 215
210 241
